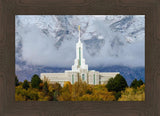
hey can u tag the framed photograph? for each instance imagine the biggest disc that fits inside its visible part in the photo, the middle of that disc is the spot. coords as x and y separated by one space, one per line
79 58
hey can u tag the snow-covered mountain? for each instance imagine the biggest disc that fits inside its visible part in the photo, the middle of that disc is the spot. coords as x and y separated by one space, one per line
49 41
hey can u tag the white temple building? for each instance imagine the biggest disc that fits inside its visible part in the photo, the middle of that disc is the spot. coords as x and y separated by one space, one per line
79 71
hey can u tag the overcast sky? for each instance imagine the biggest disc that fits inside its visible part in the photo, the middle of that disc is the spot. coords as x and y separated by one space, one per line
39 48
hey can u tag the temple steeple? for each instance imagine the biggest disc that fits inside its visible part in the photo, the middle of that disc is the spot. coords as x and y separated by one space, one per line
79 62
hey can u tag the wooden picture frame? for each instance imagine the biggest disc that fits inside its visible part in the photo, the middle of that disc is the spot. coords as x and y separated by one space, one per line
10 8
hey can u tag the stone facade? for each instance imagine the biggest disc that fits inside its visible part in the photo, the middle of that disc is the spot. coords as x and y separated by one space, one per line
79 71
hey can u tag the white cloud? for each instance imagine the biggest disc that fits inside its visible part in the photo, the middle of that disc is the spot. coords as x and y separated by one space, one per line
18 68
39 49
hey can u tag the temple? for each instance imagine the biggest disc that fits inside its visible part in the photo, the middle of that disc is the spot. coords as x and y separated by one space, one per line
79 71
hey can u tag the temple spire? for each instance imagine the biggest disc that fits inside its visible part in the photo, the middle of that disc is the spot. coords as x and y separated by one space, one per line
79 62
79 32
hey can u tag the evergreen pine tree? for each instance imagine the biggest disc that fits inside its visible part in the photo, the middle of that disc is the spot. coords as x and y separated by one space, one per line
35 81
16 81
117 84
25 84
136 83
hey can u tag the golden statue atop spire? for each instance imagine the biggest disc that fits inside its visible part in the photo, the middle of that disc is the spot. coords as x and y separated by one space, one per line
79 27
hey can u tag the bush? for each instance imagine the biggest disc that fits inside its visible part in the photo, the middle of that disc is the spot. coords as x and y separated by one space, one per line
19 97
25 84
32 94
35 81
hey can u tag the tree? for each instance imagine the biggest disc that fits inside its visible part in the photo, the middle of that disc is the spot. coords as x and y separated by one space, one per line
66 92
45 88
117 95
25 84
117 84
120 83
35 81
32 94
41 86
140 82
56 88
110 85
16 81
136 83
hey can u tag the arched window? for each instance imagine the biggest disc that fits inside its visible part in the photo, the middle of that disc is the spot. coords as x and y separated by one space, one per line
83 77
72 79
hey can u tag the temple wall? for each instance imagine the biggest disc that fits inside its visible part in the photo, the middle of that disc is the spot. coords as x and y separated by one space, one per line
104 77
73 75
55 77
93 77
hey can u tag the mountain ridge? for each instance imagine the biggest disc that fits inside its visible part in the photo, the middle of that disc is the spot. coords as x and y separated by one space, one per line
116 40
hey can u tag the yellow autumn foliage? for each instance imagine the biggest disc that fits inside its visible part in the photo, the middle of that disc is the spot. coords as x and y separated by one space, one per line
79 91
19 97
131 94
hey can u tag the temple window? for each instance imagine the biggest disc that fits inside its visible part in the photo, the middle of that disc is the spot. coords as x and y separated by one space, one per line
94 79
72 79
83 77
